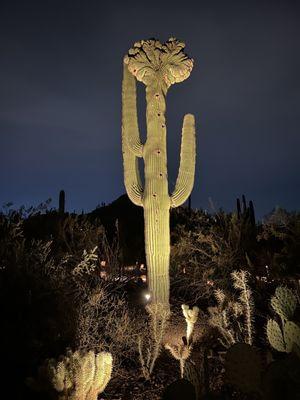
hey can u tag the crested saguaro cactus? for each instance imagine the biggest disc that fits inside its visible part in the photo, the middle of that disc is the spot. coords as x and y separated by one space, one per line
158 66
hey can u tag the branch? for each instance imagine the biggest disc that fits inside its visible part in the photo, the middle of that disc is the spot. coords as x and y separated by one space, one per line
185 179
132 178
130 119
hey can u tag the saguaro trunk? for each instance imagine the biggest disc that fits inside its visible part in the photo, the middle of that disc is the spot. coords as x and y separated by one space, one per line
156 197
158 66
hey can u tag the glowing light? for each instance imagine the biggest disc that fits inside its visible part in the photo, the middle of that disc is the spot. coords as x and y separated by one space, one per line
129 268
147 296
142 267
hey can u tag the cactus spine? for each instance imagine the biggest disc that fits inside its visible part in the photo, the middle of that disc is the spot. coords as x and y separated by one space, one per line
158 66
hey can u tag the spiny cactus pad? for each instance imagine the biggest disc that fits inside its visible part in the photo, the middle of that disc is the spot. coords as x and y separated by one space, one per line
275 335
284 302
291 335
150 60
243 367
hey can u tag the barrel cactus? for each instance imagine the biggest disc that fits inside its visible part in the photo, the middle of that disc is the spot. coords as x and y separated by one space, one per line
158 66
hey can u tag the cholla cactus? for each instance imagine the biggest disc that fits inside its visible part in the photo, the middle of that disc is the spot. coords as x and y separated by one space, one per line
88 263
219 317
234 319
158 66
78 376
283 337
181 353
240 282
150 345
191 316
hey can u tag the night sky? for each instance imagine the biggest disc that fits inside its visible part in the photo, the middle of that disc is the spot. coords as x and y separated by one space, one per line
60 98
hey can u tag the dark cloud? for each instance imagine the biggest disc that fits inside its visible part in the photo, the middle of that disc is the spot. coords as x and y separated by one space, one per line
60 76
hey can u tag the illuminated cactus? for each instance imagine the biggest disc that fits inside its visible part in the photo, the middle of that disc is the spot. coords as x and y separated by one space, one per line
191 316
74 376
158 66
284 337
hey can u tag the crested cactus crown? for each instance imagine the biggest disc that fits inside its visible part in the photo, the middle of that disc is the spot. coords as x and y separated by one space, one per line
150 60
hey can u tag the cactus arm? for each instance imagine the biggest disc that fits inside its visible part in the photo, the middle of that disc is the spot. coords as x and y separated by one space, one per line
185 179
130 119
132 178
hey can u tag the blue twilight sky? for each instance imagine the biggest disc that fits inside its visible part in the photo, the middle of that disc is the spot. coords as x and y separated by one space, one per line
60 98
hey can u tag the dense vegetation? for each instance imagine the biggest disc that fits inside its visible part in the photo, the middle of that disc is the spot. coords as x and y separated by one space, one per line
72 290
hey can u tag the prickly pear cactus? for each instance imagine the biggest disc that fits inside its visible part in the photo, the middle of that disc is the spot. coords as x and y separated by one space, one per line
284 302
275 335
158 66
284 337
179 390
281 379
291 335
243 367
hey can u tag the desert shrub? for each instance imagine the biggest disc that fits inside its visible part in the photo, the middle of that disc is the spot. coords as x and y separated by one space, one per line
75 233
279 238
205 255
54 298
104 321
